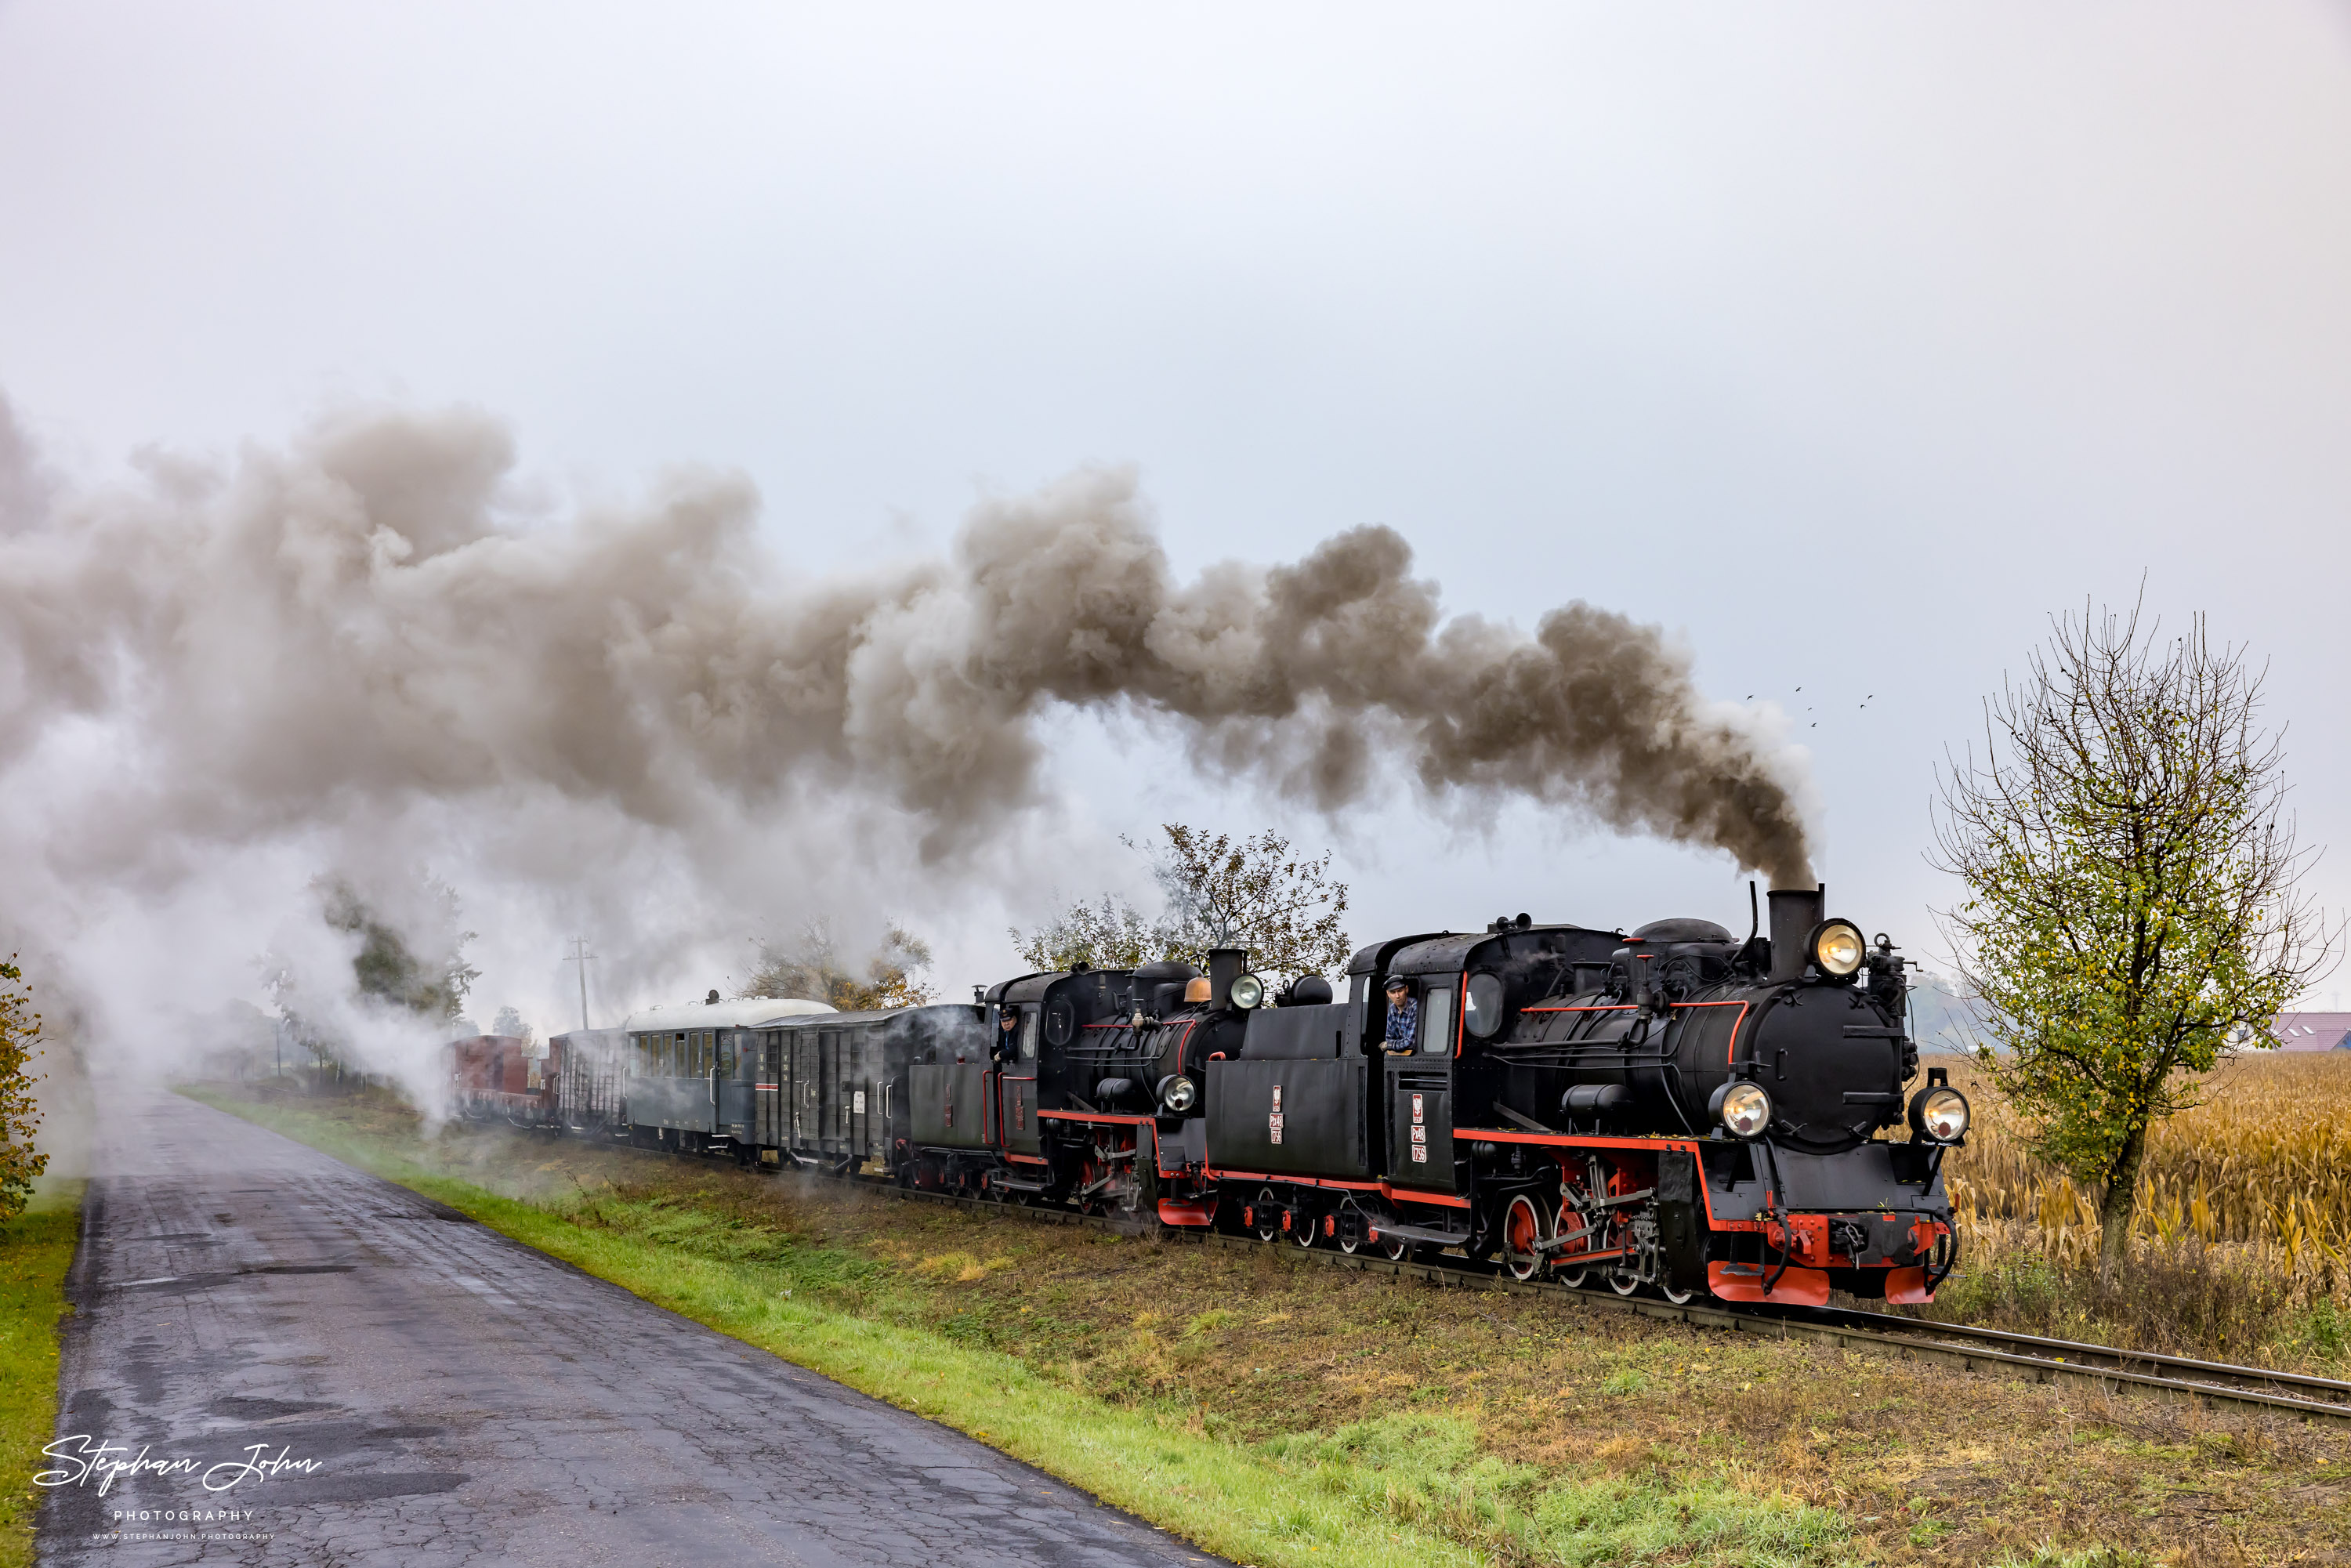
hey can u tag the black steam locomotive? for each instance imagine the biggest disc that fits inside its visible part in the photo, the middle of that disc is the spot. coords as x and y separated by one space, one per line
1676 1110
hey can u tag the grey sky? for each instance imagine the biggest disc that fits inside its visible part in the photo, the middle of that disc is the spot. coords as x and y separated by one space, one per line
1847 341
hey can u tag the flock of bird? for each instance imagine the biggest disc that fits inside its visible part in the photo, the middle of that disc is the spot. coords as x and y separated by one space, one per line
1815 723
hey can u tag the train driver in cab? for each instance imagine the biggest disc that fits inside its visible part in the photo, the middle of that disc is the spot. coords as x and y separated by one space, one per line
1008 1036
1404 1018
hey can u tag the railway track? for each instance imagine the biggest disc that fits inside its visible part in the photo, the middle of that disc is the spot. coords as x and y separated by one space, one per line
1995 1351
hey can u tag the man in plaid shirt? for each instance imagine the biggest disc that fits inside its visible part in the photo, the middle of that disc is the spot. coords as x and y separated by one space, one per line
1404 1018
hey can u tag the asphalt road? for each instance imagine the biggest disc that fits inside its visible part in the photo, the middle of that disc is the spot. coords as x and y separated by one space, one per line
458 1397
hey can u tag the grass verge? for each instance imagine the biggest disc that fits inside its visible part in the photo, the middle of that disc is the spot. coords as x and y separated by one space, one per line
1406 1487
36 1248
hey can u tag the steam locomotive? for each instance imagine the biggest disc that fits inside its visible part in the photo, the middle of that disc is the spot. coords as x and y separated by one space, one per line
1676 1110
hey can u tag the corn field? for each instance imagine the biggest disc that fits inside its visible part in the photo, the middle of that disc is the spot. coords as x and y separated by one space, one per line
2260 1171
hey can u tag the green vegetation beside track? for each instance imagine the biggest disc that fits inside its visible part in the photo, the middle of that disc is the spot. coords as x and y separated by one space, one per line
36 1248
1279 1413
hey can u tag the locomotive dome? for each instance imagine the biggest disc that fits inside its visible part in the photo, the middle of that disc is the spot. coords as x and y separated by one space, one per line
1682 930
748 1014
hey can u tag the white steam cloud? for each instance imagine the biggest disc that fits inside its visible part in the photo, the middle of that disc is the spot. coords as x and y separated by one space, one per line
356 656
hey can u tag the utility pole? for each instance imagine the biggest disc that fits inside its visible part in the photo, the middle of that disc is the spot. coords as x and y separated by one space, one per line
581 956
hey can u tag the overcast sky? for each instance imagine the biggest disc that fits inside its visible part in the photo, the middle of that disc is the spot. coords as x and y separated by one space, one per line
1847 342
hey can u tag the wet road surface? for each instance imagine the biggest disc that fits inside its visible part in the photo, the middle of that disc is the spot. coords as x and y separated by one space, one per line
464 1399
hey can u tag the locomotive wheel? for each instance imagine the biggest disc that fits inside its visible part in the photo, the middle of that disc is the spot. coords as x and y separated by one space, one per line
1305 1227
1525 1227
1678 1298
1571 1278
1624 1281
1395 1248
1267 1215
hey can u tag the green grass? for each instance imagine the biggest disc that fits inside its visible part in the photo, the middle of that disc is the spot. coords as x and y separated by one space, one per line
36 1250
1400 1488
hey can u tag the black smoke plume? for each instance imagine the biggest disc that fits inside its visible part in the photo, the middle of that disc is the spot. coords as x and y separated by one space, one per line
359 621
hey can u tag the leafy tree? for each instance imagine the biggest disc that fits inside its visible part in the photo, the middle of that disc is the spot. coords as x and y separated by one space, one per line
509 1022
20 1118
1110 935
812 968
1253 893
2130 907
385 969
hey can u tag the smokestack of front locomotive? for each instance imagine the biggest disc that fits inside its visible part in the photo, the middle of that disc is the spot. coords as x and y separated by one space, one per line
1225 965
1796 914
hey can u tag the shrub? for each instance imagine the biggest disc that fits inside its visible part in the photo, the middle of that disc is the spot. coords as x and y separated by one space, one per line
20 1119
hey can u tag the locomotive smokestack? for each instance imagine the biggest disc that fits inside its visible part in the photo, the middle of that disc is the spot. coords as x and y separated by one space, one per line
1795 912
1225 965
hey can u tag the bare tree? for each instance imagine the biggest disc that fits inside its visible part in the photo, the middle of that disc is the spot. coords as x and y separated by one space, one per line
2131 871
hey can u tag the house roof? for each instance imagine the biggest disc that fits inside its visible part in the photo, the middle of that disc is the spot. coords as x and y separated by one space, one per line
2310 1031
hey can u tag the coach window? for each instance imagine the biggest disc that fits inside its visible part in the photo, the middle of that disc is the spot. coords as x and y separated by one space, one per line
1437 1020
677 1054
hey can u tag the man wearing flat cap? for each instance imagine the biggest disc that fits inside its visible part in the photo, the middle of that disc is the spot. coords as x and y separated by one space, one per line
1404 1018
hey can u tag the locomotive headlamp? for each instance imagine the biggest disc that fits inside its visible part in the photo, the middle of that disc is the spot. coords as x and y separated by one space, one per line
1938 1115
1177 1093
1837 948
1248 992
1743 1109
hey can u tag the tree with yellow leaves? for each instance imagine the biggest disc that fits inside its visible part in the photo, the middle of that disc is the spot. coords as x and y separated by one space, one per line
2130 874
20 1118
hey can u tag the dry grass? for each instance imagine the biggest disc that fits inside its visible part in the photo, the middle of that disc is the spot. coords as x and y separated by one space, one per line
2242 1248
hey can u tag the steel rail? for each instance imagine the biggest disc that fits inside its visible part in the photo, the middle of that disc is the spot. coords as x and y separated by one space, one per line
1959 1344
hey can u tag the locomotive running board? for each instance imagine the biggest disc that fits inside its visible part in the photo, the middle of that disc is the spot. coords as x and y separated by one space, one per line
1419 1233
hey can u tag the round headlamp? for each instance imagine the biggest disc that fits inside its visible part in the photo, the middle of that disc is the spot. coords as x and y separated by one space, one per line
1743 1109
1248 992
1837 948
1939 1114
1177 1094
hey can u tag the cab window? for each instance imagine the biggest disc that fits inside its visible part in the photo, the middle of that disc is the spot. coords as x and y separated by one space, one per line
1029 1034
1436 1021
